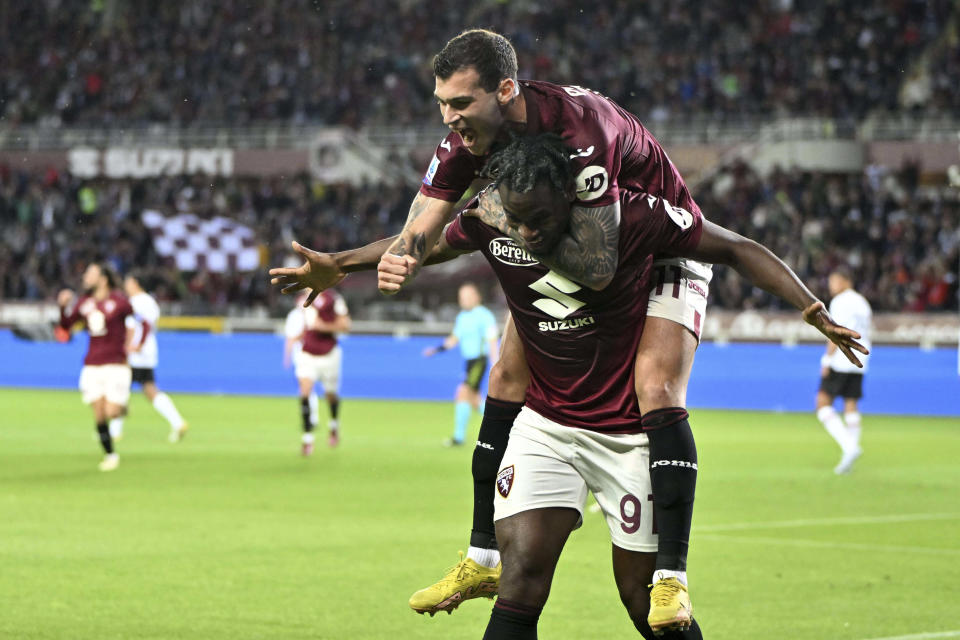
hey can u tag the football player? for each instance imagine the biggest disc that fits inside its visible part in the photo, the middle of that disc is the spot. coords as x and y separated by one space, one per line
580 428
105 376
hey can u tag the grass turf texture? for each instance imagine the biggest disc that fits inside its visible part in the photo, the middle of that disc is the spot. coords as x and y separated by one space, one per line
232 535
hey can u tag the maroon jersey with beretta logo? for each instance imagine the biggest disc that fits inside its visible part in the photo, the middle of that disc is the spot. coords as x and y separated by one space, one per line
580 344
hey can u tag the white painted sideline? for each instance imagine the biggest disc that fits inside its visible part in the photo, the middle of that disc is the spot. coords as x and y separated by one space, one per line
817 522
924 636
825 544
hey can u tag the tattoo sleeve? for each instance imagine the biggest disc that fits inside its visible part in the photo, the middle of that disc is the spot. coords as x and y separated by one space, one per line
590 253
424 222
490 211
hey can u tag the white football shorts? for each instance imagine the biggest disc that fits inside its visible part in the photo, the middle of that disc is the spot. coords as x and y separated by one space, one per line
324 369
110 381
679 292
549 465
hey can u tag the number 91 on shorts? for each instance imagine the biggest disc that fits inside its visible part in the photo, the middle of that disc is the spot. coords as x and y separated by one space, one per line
548 465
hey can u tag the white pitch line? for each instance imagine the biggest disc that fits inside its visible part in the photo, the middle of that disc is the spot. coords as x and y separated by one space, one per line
820 522
821 544
924 636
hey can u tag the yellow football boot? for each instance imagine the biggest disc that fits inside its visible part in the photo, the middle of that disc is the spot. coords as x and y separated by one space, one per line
464 581
669 606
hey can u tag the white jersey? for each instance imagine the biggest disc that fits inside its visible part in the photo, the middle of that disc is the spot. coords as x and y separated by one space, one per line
851 310
146 313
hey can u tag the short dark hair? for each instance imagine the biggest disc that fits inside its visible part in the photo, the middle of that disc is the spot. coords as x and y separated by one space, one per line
529 160
844 271
136 275
488 52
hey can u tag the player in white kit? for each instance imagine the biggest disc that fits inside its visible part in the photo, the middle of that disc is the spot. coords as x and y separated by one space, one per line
839 378
143 359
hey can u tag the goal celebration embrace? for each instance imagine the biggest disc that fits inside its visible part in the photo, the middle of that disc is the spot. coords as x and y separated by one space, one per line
500 320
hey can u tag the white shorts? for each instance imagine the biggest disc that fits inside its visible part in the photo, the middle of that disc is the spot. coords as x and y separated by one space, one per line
324 369
110 381
679 292
549 465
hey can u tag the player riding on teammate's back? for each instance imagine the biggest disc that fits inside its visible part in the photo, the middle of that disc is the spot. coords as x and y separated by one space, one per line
573 389
483 103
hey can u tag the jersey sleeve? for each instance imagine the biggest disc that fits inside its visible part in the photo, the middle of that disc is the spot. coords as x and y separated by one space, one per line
340 305
451 171
459 233
667 228
596 156
294 324
70 316
490 331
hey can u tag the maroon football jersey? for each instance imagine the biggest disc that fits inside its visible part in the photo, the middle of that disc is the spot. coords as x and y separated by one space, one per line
328 305
579 343
613 151
105 321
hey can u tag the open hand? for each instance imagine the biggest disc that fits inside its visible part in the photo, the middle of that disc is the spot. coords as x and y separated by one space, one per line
318 273
845 339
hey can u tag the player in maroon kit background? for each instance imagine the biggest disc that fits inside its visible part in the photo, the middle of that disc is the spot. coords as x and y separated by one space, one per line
581 383
105 377
319 359
482 102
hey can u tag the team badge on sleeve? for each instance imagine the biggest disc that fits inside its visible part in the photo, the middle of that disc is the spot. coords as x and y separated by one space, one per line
431 171
592 182
505 481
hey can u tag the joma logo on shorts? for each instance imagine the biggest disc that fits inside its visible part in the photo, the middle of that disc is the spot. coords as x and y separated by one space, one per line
673 463
561 325
697 288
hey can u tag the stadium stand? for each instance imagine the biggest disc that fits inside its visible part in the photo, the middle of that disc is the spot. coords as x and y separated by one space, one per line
340 62
880 222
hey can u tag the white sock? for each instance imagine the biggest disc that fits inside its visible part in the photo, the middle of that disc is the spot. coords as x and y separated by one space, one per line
488 558
663 574
334 425
307 437
852 418
116 427
832 422
164 405
314 408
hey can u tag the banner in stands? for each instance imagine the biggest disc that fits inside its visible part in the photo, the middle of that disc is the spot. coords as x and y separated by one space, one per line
148 163
217 245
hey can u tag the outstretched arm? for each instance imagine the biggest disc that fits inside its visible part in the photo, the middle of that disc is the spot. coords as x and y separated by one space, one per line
589 254
760 266
324 270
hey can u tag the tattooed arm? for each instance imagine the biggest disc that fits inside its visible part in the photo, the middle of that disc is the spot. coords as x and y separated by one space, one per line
421 232
324 270
588 255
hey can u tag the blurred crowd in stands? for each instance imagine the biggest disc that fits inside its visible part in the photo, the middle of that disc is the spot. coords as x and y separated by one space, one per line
107 63
902 240
111 63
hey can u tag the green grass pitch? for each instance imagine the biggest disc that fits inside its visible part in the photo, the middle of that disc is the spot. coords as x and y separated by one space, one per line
232 535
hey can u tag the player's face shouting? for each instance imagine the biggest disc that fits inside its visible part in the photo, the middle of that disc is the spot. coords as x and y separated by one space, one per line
540 216
472 112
